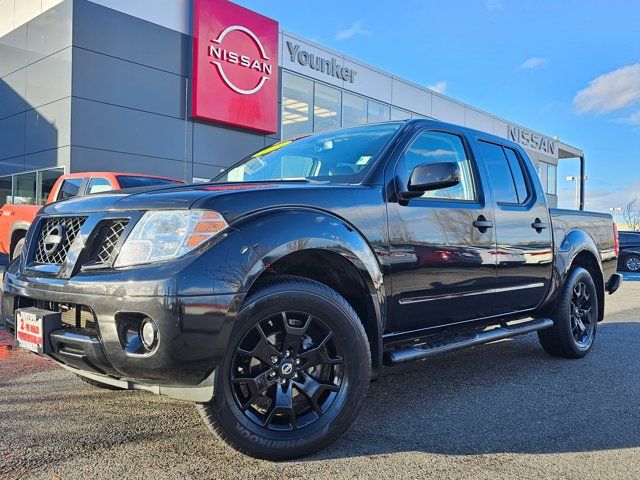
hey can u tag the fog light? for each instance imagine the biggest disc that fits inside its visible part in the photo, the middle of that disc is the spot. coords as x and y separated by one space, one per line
149 333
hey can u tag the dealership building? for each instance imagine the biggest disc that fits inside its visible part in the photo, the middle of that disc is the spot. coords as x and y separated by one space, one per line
185 88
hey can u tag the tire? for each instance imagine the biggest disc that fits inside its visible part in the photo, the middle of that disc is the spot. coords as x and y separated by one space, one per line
17 250
331 364
97 384
632 263
574 331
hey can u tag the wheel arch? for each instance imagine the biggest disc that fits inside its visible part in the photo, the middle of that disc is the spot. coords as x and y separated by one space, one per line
18 232
577 249
324 248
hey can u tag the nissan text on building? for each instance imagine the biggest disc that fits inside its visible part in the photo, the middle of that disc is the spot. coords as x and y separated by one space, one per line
188 89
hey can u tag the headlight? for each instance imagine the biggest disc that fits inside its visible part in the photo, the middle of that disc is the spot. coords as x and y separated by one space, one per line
165 234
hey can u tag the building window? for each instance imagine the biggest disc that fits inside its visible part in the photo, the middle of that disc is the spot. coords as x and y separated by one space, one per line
399 114
297 101
552 179
5 189
47 179
378 112
25 189
327 108
543 171
29 188
354 110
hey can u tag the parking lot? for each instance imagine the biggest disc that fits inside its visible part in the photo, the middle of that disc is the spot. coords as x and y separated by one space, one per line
505 410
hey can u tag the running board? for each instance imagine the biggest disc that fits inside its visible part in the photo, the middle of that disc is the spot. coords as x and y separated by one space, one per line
419 352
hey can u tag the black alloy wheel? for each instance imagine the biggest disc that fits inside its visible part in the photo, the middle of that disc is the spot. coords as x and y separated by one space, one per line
582 319
295 373
287 371
575 317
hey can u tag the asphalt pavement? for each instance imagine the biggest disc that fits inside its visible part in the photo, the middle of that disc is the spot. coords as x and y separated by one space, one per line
505 410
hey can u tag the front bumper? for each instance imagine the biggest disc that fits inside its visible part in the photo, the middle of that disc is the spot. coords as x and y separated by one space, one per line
192 331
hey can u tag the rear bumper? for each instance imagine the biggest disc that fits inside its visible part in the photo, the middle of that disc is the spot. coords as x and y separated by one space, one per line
192 334
614 283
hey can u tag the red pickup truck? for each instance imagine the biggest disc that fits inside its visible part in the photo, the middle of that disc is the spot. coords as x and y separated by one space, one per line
16 219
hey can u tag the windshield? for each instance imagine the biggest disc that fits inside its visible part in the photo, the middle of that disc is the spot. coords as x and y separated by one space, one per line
340 156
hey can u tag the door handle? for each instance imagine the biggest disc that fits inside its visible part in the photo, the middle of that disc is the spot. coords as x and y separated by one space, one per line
482 224
538 225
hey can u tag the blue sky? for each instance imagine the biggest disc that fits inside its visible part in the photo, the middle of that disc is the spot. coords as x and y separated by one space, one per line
566 68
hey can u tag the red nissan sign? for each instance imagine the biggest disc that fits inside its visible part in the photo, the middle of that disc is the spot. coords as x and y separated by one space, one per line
235 66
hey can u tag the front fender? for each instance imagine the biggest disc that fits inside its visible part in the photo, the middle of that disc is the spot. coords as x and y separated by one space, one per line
276 233
273 234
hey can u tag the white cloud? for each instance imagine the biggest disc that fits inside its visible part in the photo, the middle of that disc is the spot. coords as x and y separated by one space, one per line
356 29
632 119
533 62
612 91
493 4
439 87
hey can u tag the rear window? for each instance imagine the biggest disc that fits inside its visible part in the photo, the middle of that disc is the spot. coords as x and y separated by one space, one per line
70 188
130 181
629 238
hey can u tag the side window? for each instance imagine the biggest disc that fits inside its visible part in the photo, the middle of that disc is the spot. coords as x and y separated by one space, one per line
518 174
502 179
70 188
431 147
97 185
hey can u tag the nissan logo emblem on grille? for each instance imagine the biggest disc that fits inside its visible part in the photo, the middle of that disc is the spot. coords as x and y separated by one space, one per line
53 239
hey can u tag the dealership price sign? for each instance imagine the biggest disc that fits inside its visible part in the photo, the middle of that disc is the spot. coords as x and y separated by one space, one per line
235 66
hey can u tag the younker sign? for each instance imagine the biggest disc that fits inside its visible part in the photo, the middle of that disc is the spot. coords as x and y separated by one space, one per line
532 140
330 66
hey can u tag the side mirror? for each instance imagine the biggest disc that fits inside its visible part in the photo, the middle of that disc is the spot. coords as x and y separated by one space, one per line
433 176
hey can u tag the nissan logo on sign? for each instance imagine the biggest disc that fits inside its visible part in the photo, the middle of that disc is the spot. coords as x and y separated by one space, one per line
258 67
235 77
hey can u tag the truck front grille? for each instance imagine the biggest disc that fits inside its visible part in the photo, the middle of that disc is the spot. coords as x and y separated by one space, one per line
108 243
55 239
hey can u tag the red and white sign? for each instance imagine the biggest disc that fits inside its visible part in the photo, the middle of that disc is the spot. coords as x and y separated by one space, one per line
29 331
235 66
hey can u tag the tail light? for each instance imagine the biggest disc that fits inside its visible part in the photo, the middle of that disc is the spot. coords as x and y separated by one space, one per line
616 240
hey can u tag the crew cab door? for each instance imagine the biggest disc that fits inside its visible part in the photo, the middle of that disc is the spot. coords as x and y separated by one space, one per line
524 251
441 243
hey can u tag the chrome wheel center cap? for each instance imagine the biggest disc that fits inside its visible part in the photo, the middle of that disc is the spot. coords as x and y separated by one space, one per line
287 369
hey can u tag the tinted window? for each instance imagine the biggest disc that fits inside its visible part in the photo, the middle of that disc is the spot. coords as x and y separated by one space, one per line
502 182
70 188
518 174
629 238
97 185
127 181
431 147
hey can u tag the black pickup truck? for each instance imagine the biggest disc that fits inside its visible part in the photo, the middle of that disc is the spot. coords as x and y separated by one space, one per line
273 295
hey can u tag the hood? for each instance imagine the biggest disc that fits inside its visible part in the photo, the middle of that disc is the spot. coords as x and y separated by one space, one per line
230 199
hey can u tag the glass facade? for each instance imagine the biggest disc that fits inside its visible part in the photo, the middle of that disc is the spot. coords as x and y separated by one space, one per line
309 106
327 108
29 188
549 177
297 105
